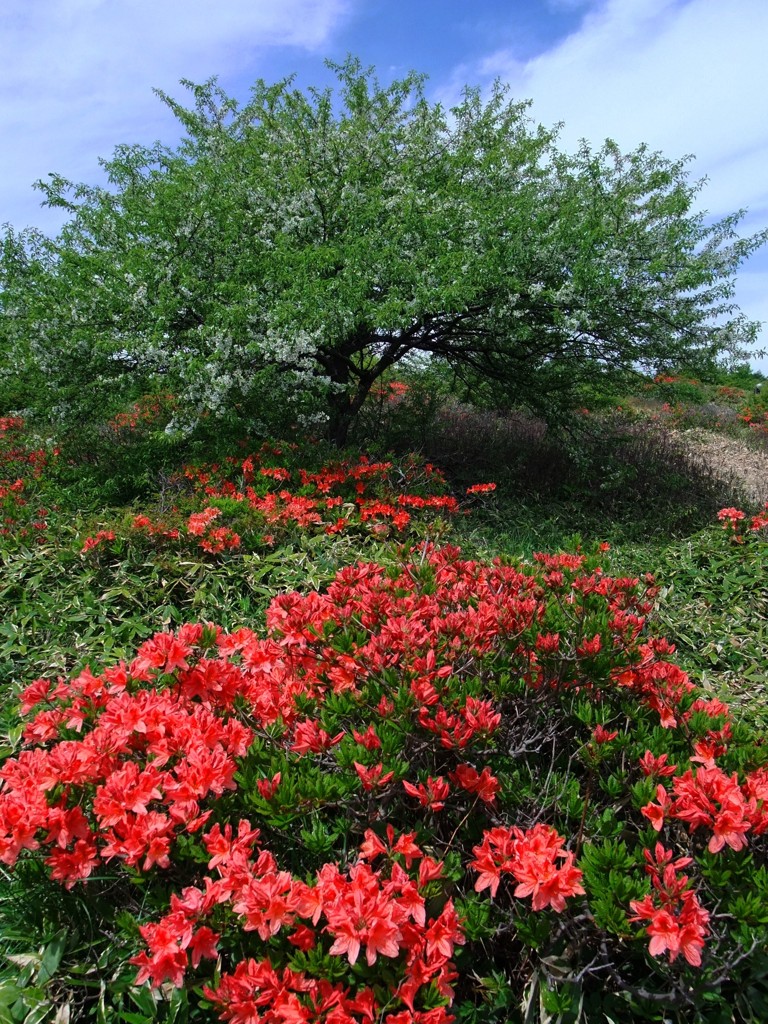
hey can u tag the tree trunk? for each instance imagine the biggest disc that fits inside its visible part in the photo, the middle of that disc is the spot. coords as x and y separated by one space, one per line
340 412
339 419
344 406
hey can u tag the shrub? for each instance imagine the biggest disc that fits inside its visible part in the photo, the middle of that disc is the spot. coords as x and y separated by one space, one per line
268 497
714 606
23 461
436 788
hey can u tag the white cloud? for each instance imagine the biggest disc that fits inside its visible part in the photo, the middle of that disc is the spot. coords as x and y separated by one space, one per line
76 75
685 77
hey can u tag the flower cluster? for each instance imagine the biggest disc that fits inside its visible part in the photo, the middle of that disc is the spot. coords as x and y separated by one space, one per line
391 391
360 913
148 411
531 857
677 921
712 800
255 502
22 465
734 520
367 492
114 771
98 538
755 418
213 539
143 524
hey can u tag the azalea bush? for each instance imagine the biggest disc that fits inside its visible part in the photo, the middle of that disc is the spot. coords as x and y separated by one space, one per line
755 415
23 461
435 789
215 540
268 497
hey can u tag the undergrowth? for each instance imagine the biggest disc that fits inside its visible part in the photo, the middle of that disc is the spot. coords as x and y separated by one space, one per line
499 764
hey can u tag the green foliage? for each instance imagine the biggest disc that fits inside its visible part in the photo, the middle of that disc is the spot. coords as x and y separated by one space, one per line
740 376
61 611
292 250
61 608
714 607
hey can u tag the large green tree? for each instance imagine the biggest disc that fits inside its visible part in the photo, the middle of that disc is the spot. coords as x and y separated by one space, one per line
291 250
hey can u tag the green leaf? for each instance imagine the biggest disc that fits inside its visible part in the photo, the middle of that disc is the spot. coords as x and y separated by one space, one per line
51 956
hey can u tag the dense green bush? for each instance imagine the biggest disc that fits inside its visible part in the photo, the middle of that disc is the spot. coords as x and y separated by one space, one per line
435 787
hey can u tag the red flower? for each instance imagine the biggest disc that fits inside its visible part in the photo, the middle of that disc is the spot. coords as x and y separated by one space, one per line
311 739
360 915
590 648
268 787
373 847
601 735
198 522
433 795
677 921
444 933
167 959
94 542
656 813
484 784
371 777
531 857
711 799
368 739
729 517
534 867
652 765
75 865
203 944
266 902
303 938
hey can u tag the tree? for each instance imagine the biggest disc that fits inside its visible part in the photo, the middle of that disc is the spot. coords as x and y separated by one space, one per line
290 251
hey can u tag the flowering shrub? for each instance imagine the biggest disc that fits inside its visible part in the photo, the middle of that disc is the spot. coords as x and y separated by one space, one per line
685 403
250 502
422 793
754 413
740 526
149 412
376 914
22 463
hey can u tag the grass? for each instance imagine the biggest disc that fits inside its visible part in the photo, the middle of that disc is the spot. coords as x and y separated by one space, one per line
622 481
714 606
628 483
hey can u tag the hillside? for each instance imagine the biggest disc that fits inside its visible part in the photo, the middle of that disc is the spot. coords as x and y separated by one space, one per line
475 733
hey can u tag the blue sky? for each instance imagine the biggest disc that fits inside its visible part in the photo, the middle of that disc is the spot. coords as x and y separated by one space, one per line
685 76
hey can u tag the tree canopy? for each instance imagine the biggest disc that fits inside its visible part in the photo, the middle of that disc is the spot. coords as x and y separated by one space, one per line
291 250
